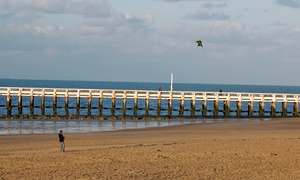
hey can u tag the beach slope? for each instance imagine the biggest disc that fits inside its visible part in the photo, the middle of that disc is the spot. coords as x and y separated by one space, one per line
234 150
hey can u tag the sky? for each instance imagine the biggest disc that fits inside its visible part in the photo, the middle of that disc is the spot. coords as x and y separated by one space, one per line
244 42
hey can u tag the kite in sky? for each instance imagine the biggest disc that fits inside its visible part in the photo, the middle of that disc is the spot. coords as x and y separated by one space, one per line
199 43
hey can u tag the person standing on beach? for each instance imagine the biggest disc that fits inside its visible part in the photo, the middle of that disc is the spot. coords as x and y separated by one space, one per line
62 141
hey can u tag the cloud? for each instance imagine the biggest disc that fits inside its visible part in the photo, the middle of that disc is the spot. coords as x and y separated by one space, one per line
47 29
97 16
122 25
4 4
80 7
6 16
213 6
90 8
278 23
32 26
49 6
129 17
186 0
202 15
290 3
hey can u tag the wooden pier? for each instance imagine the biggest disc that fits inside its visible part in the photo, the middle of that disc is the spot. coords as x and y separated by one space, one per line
18 101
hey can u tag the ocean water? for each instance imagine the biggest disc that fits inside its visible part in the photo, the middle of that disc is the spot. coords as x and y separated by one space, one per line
77 126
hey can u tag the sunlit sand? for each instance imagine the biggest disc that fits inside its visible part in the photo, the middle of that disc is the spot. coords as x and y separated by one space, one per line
234 150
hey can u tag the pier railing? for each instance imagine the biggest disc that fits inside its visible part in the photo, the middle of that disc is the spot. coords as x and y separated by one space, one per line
17 101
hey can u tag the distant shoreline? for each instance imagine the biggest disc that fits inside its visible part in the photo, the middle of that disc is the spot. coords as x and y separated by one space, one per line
51 126
74 117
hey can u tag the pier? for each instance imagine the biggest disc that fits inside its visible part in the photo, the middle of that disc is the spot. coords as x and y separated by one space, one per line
103 103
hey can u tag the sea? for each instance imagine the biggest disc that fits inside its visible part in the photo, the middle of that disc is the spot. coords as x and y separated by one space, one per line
28 126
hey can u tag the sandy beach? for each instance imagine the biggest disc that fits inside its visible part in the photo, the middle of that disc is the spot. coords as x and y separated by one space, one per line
235 150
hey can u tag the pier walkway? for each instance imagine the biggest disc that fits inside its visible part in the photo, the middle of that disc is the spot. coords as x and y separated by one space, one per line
18 101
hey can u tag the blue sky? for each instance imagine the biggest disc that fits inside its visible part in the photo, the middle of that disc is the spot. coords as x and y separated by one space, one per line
244 42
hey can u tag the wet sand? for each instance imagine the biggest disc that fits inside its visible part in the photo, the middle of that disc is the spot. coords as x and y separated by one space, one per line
235 150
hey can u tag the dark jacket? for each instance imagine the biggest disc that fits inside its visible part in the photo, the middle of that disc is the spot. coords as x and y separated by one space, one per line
61 138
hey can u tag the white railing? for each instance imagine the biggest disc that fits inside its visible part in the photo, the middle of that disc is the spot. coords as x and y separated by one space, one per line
144 94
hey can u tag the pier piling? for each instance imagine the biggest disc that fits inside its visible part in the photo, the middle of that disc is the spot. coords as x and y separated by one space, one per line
170 109
158 104
42 103
216 108
54 107
296 109
284 109
239 108
250 108
67 103
20 104
100 108
193 107
204 108
78 105
89 113
181 108
113 103
124 104
135 105
261 108
31 104
273 108
8 103
226 108
147 100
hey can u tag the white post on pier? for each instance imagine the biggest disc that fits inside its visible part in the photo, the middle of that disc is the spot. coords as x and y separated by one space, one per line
171 87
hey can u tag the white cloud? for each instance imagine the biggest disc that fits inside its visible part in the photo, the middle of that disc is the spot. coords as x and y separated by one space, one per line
202 15
149 18
289 3
296 29
4 5
130 18
49 6
90 8
186 0
48 29
214 6
80 7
